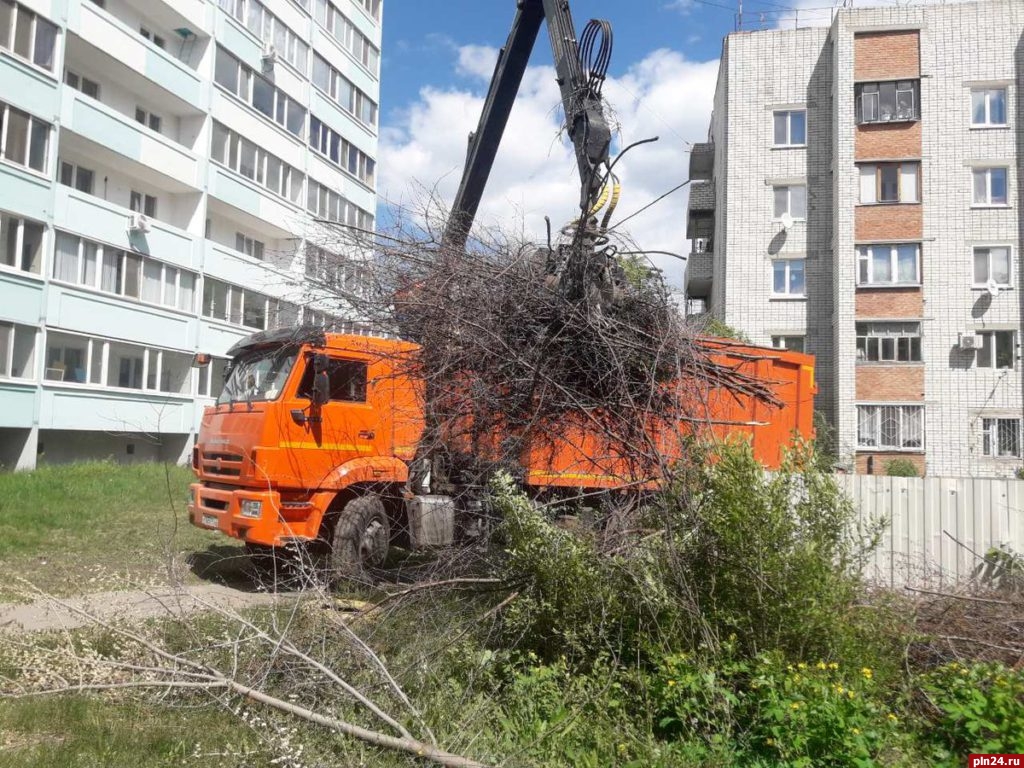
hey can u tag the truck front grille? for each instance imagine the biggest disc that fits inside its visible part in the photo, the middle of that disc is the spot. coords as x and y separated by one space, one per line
221 464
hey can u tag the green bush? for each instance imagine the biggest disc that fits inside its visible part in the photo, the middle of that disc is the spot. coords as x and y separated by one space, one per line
978 708
901 468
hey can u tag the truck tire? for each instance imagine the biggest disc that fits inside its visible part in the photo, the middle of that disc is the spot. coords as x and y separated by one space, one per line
361 536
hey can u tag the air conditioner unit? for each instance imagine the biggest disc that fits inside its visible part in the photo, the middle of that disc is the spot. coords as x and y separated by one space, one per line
139 222
269 53
969 341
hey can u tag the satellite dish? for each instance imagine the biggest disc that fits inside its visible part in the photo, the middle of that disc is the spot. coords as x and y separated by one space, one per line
992 287
787 221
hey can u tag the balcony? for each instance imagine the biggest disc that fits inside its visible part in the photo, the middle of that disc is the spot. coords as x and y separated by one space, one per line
22 297
700 220
106 222
17 404
147 149
125 45
112 316
27 88
25 192
255 200
702 161
700 268
81 407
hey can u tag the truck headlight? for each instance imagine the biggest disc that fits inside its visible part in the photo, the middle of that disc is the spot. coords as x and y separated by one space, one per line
252 508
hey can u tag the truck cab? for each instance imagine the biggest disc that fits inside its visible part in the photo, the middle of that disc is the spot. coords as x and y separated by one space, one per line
306 423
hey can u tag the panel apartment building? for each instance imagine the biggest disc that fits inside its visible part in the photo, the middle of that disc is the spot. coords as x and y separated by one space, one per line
163 164
860 198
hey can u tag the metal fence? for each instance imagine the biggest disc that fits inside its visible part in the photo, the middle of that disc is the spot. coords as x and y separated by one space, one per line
939 530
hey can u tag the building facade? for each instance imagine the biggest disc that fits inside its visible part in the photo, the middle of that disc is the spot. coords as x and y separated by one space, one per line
860 198
164 165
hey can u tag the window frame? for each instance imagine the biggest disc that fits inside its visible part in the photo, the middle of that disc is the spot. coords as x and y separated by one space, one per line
19 243
8 46
776 188
788 274
992 436
914 355
783 340
988 265
987 170
788 113
865 255
903 427
10 329
987 91
879 170
990 349
31 121
862 89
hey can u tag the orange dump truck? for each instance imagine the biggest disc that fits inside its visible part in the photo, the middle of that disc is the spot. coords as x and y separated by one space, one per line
316 436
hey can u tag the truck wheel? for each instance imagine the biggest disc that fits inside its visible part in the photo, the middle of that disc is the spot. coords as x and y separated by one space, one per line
361 536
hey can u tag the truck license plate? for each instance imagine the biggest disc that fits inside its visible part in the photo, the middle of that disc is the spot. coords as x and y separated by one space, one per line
210 520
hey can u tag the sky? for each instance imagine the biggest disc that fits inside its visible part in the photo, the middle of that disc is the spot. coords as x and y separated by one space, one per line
437 61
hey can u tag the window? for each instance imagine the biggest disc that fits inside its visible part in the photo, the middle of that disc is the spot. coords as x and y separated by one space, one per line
27 34
82 83
21 243
26 138
889 342
788 277
345 32
890 427
347 380
791 200
992 263
143 203
244 157
327 204
17 351
791 128
889 264
890 183
69 358
340 152
92 265
249 246
152 37
988 107
1000 438
211 378
887 102
259 92
76 176
270 29
990 186
792 343
148 118
338 87
998 349
233 304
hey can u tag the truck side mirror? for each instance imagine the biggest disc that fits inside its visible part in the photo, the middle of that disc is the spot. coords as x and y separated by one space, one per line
321 388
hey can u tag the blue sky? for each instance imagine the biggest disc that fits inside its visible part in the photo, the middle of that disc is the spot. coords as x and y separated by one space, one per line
437 61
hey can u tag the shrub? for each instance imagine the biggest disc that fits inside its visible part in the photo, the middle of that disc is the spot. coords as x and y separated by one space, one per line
978 708
901 468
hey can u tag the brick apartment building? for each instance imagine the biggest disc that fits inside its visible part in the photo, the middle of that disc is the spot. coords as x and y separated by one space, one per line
860 198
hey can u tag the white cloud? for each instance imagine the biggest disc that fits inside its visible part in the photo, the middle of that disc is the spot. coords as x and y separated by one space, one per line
535 171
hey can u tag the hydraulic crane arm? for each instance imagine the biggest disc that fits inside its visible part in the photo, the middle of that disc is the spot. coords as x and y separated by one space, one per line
581 99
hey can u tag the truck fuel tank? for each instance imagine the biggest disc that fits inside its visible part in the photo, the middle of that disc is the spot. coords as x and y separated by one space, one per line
431 521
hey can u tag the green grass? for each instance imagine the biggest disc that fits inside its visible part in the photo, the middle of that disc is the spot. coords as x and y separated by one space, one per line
79 731
92 526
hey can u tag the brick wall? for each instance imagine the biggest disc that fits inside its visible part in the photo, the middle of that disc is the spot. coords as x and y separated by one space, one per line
888 222
887 55
890 382
890 302
881 141
881 459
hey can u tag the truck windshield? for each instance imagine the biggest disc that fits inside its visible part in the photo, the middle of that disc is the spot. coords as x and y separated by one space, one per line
259 375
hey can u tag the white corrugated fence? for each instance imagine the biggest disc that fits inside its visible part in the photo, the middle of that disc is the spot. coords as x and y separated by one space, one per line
939 528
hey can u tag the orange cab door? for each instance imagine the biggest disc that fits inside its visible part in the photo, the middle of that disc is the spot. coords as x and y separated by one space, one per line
319 439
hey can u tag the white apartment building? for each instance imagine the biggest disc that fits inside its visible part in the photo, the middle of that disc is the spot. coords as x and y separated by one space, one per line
860 198
162 167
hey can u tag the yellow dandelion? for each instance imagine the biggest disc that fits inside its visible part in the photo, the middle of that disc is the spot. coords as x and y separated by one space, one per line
850 694
822 665
801 665
833 665
795 705
770 742
671 683
856 731
866 671
789 667
892 717
839 689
